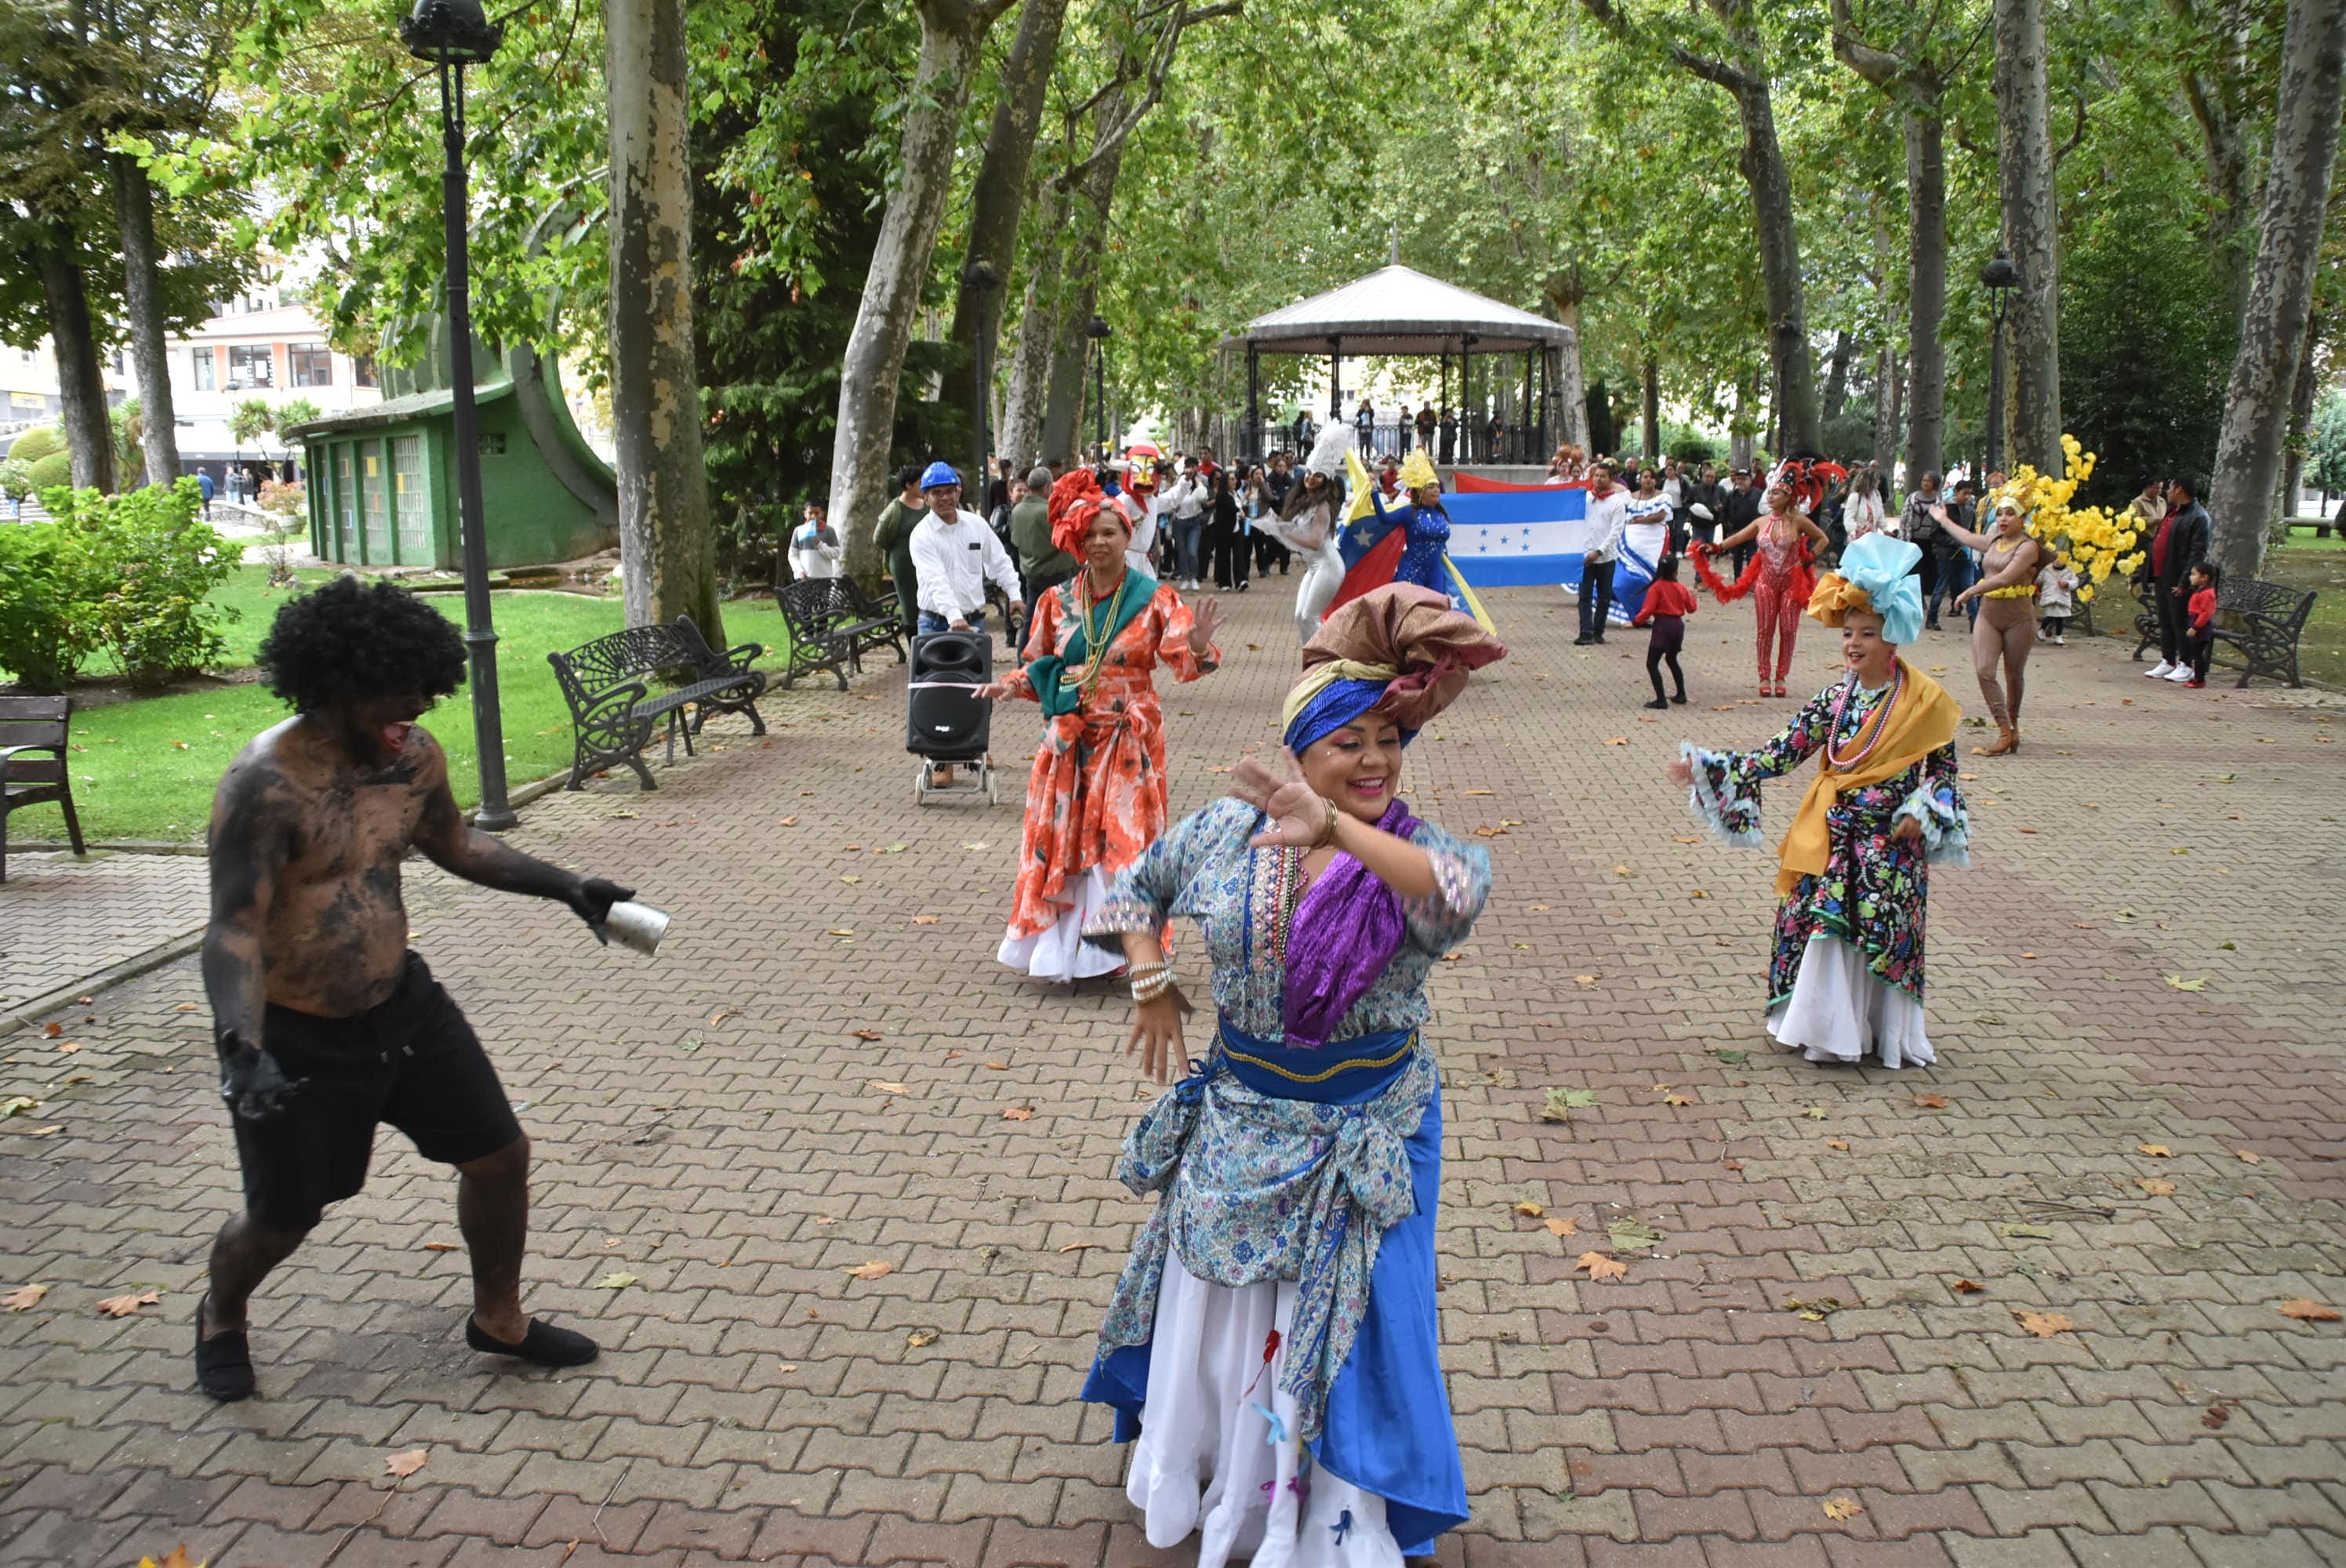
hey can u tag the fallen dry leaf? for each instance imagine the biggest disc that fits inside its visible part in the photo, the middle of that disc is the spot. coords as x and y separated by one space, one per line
1932 1102
997 1066
871 1270
1685 838
615 1282
406 1465
2155 1151
175 1558
867 1034
2306 1309
1479 791
2045 1325
440 1245
124 1305
1676 1100
924 920
2155 1186
1601 1267
1836 1143
1079 1246
920 1337
51 1031
1562 1226
2251 1157
886 1088
1814 1113
1583 980
2214 1417
790 822
23 1297
1018 1112
1967 1288
1617 741
1530 1210
1842 1508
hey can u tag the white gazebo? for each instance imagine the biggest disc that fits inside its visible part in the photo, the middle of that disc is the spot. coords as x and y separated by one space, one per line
1398 310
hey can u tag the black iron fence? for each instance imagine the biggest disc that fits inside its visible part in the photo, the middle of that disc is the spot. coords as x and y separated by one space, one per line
1452 440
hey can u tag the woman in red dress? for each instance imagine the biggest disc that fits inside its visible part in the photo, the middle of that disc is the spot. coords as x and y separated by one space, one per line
1098 796
1780 577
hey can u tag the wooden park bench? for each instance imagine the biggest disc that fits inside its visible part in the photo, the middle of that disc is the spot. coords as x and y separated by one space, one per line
2261 622
609 684
29 725
832 625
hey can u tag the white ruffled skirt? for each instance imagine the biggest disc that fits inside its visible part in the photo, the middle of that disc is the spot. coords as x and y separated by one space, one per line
1208 1461
1841 1011
1060 952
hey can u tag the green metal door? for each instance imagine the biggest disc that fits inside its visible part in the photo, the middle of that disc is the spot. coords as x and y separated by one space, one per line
376 518
345 504
412 501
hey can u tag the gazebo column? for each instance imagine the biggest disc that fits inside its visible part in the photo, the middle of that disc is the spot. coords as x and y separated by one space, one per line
1336 379
1526 427
1252 445
1442 448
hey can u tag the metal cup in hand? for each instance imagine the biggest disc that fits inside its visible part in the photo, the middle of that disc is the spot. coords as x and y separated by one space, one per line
638 926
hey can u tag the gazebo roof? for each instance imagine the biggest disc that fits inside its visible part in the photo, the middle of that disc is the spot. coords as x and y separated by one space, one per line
1398 310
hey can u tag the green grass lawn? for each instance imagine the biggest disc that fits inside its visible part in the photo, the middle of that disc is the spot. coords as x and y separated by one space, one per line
146 768
2306 562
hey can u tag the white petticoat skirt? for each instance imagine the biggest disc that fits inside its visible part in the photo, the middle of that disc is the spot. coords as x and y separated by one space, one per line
1060 952
1204 1462
1841 1011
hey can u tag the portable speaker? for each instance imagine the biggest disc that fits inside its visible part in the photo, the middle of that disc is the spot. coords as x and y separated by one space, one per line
942 722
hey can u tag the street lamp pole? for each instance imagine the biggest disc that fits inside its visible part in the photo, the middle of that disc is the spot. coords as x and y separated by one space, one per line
452 34
1999 278
1099 332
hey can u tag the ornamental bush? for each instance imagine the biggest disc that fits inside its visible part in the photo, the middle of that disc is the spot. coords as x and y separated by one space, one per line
55 469
50 587
159 563
37 443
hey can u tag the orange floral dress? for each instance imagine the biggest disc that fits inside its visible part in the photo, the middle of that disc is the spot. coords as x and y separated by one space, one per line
1097 794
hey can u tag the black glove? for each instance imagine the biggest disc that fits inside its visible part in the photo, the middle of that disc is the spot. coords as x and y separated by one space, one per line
593 897
252 1083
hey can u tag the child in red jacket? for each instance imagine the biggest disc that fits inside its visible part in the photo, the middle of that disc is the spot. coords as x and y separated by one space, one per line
1667 605
2200 636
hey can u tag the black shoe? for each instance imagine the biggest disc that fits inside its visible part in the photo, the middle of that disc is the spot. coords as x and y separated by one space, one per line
1930 625
1599 639
544 1345
1242 588
1679 697
1582 642
223 1362
1659 703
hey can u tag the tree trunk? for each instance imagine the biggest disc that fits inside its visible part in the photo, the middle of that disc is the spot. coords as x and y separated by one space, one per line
1572 382
1651 445
1738 426
134 209
1762 162
668 550
2300 418
1038 327
1079 297
1886 402
997 199
1926 289
2216 76
2281 298
89 437
1837 375
864 440
2031 218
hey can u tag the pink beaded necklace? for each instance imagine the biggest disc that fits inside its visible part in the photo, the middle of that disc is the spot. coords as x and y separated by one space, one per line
1871 731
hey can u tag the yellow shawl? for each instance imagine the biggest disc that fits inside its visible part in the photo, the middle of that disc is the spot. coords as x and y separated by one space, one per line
1922 720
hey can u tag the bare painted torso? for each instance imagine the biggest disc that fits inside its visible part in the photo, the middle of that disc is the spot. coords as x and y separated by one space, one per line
335 939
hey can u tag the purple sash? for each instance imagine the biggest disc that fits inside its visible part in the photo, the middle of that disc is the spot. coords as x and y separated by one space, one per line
1348 926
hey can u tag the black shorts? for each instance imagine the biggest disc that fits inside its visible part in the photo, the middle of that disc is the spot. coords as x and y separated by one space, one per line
411 1061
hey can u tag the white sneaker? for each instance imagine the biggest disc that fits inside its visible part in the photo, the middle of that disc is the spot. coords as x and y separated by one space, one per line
2181 676
2061 642
2161 668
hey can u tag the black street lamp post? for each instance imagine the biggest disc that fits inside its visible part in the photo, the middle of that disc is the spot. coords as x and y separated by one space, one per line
1099 332
1999 278
452 34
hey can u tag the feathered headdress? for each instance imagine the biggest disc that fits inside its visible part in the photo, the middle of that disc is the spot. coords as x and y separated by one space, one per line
1418 472
1327 458
1400 650
1076 500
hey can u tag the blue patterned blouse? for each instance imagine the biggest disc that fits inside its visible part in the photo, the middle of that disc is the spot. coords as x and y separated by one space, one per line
1245 898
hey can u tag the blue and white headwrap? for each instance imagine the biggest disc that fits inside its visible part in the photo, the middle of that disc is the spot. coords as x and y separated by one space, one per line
1882 570
1331 695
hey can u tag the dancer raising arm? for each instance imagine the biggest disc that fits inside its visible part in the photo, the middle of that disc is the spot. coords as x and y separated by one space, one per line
1779 578
1846 978
1272 1341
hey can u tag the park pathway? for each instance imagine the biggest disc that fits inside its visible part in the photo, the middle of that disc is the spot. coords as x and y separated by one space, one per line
1819 1357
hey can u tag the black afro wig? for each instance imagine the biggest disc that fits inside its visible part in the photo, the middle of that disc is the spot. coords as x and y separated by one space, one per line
350 641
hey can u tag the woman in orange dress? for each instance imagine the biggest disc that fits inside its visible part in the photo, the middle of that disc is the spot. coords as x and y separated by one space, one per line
1098 796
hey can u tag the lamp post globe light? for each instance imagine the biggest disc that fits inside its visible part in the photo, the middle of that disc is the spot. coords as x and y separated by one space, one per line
1999 278
452 34
1099 332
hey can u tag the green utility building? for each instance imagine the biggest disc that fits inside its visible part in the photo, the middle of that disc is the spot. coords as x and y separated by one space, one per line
383 479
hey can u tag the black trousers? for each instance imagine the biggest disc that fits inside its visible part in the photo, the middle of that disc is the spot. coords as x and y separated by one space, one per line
1036 589
1268 552
1226 547
2173 621
2202 646
1595 606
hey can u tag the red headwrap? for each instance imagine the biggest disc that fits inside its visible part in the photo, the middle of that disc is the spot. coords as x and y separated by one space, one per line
1076 500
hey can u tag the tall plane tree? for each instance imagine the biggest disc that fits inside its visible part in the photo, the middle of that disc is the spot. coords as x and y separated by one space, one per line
2032 231
2280 297
951 32
667 555
1739 64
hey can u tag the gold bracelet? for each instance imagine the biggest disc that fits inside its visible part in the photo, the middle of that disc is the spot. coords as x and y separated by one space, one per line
1327 829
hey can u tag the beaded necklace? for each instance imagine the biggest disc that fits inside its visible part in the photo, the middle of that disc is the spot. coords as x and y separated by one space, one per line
1870 729
1096 614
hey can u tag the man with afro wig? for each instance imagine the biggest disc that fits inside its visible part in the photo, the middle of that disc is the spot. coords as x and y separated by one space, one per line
326 1025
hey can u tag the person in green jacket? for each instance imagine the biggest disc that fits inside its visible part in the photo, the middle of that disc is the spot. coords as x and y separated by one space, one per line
1041 562
892 537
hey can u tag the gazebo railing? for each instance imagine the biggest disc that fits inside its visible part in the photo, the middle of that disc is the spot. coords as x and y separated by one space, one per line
1513 444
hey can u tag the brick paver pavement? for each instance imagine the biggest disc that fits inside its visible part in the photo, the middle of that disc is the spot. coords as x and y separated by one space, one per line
63 919
714 1126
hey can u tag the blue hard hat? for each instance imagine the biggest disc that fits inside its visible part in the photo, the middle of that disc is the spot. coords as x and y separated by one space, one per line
939 473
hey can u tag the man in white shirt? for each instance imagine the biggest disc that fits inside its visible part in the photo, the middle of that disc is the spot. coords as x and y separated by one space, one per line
816 550
1185 504
1608 511
955 554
